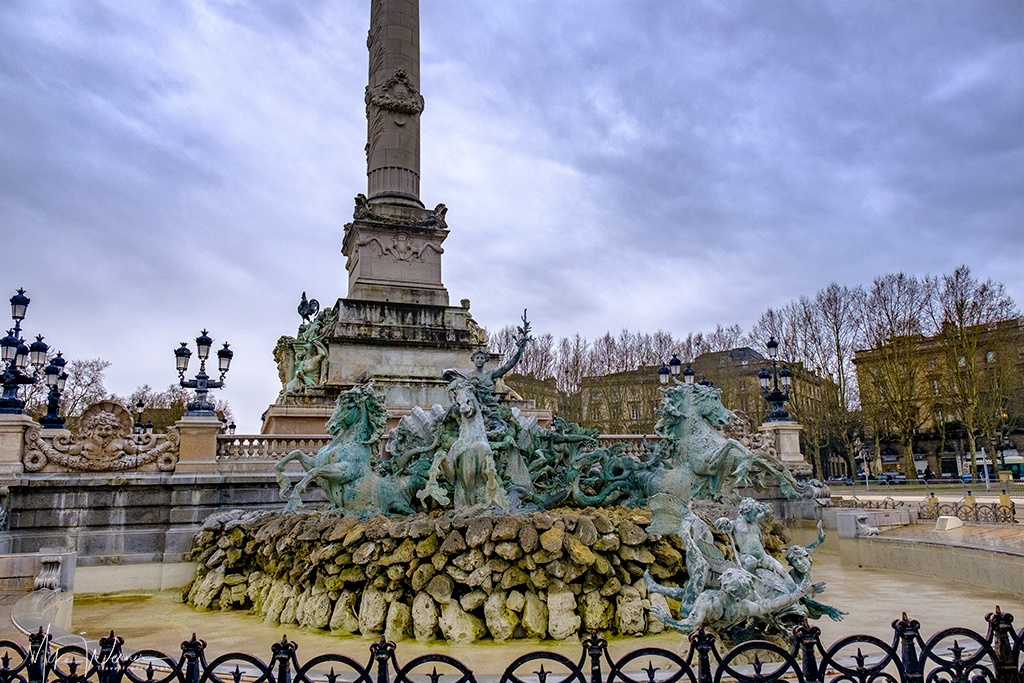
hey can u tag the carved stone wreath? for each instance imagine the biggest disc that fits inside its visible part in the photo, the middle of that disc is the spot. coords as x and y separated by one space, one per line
104 443
396 94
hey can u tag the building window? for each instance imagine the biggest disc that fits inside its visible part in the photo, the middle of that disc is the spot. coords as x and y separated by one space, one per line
634 414
990 357
935 387
961 361
931 364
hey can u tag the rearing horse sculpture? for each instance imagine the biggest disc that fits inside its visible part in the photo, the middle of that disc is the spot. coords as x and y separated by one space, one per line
343 468
707 464
469 464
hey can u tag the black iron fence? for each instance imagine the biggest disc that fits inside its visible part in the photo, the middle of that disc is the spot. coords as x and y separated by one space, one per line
953 655
992 513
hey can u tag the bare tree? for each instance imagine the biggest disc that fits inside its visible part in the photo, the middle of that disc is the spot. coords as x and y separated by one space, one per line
573 363
661 348
840 310
604 355
967 314
539 359
502 342
894 326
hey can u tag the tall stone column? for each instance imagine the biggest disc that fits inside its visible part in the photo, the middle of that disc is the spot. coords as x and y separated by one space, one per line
393 103
393 243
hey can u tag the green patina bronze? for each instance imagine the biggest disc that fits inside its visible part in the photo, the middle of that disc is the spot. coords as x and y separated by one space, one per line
705 464
344 468
478 453
745 593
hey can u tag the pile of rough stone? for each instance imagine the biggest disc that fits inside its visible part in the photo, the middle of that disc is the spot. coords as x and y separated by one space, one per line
539 575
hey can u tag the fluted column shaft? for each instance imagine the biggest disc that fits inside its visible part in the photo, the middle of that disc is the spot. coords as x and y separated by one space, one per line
393 103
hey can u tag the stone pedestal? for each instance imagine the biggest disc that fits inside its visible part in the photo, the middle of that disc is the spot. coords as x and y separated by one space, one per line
12 443
787 446
198 444
404 348
394 255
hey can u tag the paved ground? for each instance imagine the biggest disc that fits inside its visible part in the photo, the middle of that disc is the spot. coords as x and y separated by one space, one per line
7 630
1008 538
916 495
873 598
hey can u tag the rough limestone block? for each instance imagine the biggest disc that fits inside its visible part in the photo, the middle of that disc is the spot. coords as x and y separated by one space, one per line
596 611
398 625
629 612
372 612
424 617
535 616
344 618
204 591
516 601
501 621
563 621
316 611
459 626
948 523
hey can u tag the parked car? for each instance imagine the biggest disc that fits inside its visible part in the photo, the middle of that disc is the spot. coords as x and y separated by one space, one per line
839 481
893 477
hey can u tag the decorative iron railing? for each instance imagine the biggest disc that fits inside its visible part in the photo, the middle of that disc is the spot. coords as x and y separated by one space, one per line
992 513
272 447
953 655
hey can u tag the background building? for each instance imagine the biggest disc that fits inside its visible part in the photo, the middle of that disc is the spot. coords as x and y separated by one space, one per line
937 396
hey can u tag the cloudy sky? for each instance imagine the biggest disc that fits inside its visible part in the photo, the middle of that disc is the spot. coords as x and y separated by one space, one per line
171 165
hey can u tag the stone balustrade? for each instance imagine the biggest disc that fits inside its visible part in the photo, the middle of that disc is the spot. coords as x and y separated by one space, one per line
634 442
266 447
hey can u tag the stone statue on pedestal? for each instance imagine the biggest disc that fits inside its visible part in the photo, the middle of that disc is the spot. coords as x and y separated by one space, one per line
302 359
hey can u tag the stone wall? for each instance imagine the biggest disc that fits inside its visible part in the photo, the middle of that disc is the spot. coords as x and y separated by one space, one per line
126 518
538 575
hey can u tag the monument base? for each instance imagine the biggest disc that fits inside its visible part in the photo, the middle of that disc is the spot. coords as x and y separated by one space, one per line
403 348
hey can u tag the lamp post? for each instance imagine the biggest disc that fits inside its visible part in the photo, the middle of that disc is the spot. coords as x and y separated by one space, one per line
770 382
17 357
139 407
55 379
673 370
202 382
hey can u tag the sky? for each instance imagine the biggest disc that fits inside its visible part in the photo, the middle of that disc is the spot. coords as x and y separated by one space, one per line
169 166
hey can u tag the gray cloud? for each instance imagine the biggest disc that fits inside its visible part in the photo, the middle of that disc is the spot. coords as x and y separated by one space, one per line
609 164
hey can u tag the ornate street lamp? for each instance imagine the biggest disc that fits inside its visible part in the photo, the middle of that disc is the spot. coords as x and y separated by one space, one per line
202 383
672 370
688 374
17 357
55 380
770 382
139 407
